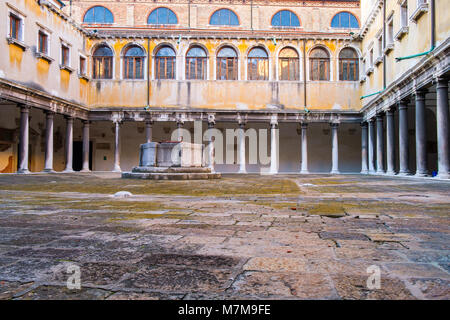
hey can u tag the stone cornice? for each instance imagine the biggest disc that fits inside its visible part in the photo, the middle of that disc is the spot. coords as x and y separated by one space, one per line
378 5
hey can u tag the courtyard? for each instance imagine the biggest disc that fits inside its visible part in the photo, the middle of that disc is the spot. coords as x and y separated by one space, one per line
239 237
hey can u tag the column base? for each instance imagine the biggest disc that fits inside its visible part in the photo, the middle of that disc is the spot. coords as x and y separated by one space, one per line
68 170
443 175
23 171
404 173
364 172
117 169
304 171
85 170
48 170
242 171
334 172
380 172
390 173
421 175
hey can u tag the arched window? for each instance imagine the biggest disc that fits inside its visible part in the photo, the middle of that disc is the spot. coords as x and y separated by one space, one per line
165 63
348 65
344 20
98 14
196 64
227 64
258 64
224 17
319 62
103 62
162 16
285 18
133 63
288 65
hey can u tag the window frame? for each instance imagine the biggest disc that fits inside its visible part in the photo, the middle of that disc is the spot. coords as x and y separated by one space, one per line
315 60
132 60
290 18
166 59
195 60
235 69
95 22
82 69
42 32
20 41
232 13
355 61
100 61
265 60
162 24
295 60
339 14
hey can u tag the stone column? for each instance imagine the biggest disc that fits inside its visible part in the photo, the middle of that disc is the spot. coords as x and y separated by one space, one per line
380 144
390 141
241 137
442 127
148 131
364 169
69 145
304 168
372 145
273 148
24 138
48 167
403 141
179 127
86 125
211 149
334 148
117 148
421 135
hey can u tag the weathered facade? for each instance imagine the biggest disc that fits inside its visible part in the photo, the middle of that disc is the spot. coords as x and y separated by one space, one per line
111 75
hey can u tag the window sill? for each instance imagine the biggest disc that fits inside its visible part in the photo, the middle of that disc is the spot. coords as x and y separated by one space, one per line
67 68
369 71
421 9
378 60
401 33
84 77
389 48
43 56
18 43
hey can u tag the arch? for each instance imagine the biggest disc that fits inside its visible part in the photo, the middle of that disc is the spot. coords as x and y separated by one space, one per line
226 44
227 52
344 19
132 44
98 14
224 17
162 15
165 51
102 50
285 18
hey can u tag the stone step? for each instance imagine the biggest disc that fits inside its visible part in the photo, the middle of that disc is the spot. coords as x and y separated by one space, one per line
171 175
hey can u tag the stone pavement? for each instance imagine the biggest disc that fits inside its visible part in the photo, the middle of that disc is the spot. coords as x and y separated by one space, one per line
241 237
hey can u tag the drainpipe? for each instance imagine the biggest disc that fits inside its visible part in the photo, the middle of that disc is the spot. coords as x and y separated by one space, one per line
148 74
189 14
433 35
251 14
304 76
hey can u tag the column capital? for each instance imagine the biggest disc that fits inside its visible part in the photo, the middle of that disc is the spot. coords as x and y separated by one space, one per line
242 124
403 103
420 93
380 116
211 124
304 125
441 82
363 124
49 113
24 107
69 118
86 122
390 111
334 124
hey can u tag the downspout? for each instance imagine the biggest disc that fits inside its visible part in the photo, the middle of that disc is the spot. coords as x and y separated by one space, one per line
384 56
251 14
148 74
433 36
304 76
189 14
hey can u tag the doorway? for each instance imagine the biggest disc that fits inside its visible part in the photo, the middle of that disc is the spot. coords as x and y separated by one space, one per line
78 155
